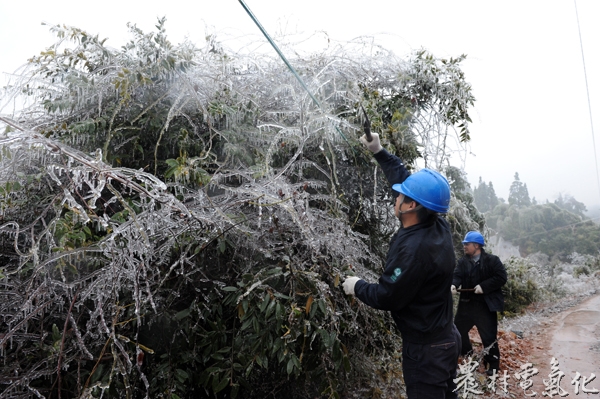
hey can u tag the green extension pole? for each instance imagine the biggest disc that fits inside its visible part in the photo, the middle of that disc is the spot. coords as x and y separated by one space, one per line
291 68
287 63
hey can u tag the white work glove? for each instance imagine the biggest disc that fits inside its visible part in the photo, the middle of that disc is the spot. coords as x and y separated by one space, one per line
478 289
374 145
349 284
453 290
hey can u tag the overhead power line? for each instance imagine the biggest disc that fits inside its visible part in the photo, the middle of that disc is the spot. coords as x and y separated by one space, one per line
588 97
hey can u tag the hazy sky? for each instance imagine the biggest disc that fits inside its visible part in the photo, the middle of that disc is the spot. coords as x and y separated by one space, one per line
524 62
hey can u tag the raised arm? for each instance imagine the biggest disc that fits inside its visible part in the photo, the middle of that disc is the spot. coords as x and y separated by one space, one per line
392 166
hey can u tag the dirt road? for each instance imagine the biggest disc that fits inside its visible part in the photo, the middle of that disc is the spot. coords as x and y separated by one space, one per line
572 337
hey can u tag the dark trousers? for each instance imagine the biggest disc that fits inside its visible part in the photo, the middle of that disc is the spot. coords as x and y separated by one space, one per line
476 313
430 369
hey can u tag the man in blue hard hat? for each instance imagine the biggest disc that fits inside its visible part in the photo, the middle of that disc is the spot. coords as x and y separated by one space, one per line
480 277
415 285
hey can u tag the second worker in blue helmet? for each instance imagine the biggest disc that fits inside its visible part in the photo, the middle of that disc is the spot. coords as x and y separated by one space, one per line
415 285
480 277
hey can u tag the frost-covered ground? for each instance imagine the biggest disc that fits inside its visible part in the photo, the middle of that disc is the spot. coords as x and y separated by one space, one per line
562 284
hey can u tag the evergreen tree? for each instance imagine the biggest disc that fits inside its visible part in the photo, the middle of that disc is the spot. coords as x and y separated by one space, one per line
518 194
484 196
493 198
480 194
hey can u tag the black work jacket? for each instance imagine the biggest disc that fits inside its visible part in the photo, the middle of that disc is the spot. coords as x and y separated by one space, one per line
490 275
415 285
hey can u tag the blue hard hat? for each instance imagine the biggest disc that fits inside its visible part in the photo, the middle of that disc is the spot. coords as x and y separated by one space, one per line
474 236
428 188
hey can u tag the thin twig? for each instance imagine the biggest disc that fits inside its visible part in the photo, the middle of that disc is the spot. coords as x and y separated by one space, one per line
62 345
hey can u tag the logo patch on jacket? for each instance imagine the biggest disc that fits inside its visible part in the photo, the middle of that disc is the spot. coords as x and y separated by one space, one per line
397 272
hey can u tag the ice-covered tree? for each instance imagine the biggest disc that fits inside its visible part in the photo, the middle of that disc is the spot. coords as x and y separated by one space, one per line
464 215
175 220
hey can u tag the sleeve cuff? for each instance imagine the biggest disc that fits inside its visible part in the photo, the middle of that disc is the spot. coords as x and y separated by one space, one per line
359 284
381 155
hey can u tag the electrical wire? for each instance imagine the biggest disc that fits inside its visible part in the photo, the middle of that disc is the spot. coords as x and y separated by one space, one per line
588 96
567 226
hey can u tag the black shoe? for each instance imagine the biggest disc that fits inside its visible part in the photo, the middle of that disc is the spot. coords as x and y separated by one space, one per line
491 370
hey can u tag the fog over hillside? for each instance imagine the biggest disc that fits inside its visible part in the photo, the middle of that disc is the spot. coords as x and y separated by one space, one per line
502 248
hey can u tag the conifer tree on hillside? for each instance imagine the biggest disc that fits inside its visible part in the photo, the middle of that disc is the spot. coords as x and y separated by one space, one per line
493 198
485 196
518 193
